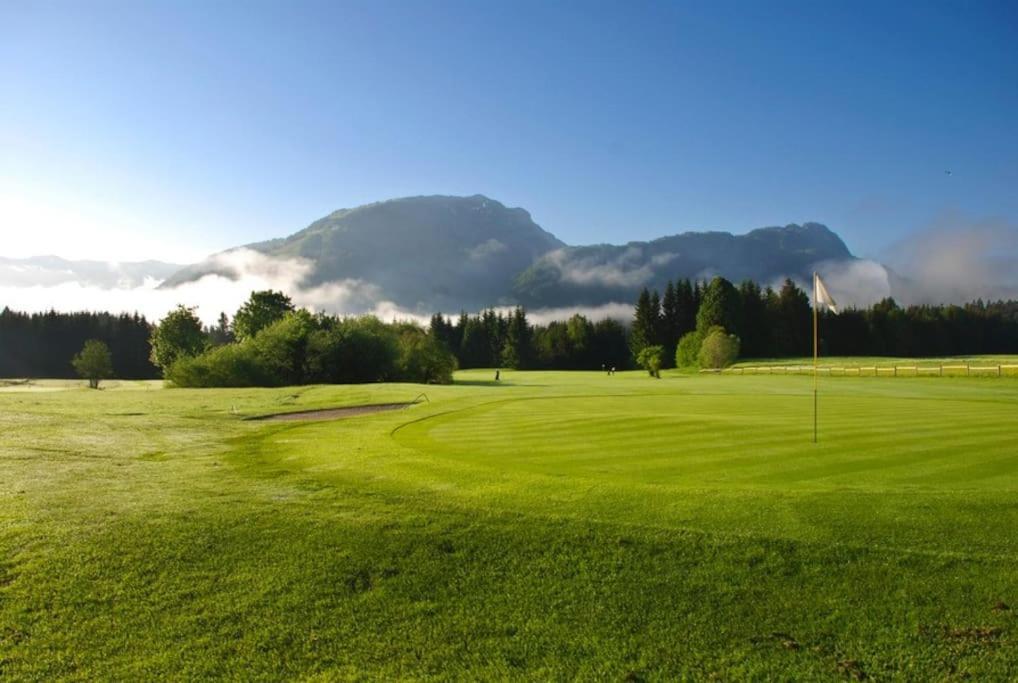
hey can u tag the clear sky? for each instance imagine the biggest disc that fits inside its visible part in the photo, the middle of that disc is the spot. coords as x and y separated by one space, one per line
169 130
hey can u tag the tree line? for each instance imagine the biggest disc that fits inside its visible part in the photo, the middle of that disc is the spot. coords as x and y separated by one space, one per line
769 323
693 323
495 339
43 345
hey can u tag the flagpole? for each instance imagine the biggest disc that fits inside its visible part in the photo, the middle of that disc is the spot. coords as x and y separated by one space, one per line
815 355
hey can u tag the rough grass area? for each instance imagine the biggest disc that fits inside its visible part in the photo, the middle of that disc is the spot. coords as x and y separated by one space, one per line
550 526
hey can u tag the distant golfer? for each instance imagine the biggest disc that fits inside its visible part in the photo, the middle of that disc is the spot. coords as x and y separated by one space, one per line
497 373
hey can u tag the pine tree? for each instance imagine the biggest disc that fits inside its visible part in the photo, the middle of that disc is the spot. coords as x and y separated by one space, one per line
645 322
475 349
720 306
790 313
670 323
687 302
516 351
755 337
656 329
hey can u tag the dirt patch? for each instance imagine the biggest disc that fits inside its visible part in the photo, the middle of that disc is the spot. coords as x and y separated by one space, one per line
332 413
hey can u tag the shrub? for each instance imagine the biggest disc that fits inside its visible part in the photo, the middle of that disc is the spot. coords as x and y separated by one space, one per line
649 358
422 358
718 350
353 350
688 350
230 365
282 347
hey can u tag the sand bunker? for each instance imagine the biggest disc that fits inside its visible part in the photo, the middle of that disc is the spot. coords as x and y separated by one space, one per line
333 413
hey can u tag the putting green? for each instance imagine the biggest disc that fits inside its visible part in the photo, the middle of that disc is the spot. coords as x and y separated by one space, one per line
737 438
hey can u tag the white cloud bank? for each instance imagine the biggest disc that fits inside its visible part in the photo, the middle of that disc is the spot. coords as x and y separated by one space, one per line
627 269
953 260
958 259
247 271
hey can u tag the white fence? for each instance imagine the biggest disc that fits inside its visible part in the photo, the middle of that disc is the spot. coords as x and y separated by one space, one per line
914 370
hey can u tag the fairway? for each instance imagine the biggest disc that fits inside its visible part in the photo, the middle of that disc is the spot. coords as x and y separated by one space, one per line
553 525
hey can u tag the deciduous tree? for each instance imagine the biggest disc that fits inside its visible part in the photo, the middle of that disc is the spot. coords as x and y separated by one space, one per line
94 362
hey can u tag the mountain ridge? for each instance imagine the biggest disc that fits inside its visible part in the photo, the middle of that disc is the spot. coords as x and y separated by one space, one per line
441 252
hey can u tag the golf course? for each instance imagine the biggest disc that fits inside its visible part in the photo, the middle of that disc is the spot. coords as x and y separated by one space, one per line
549 526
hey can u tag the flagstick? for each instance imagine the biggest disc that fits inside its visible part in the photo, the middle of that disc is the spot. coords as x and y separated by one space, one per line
815 353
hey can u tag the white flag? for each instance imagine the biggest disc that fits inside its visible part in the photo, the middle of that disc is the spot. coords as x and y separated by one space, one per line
823 296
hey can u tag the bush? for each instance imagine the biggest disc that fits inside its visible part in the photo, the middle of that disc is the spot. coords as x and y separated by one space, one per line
422 358
688 352
282 347
301 348
351 351
230 365
649 359
718 350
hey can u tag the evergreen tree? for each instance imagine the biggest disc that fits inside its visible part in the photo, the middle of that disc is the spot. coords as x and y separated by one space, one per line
442 330
220 333
791 322
494 328
475 349
720 306
755 341
670 324
579 333
657 328
687 302
516 351
611 344
646 323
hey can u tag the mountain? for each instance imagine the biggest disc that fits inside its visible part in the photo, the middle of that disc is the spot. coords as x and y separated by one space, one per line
47 271
442 253
423 253
596 274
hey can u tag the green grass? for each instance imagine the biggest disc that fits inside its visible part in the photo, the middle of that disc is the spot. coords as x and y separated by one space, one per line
556 525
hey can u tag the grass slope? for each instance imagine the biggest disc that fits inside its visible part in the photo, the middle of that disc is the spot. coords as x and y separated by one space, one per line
557 525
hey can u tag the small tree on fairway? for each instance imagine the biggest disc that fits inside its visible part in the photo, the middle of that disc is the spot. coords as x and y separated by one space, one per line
94 362
650 358
719 349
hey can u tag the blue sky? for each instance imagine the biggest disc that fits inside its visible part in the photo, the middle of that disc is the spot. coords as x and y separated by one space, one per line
169 130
